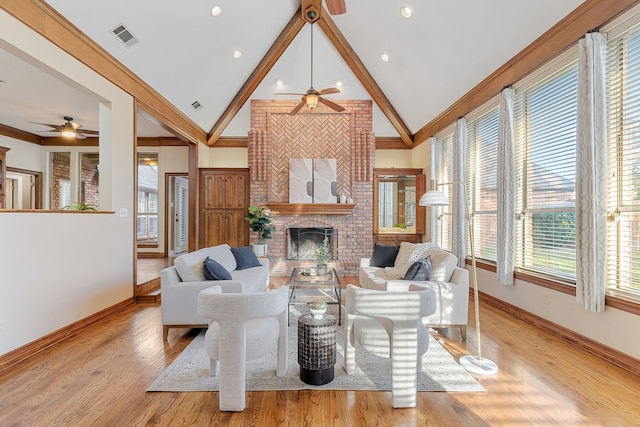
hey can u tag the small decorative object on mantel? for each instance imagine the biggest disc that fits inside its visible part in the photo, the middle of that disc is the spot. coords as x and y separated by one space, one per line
317 308
322 256
260 222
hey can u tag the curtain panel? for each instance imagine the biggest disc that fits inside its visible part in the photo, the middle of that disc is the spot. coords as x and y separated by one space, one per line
506 191
458 245
591 174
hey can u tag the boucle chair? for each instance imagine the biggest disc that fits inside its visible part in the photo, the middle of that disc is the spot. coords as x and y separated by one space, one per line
243 327
389 324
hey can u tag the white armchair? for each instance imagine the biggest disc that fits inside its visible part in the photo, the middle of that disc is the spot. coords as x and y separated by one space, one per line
389 324
244 326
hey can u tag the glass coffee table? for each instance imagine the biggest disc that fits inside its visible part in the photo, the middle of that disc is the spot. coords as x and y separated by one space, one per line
305 285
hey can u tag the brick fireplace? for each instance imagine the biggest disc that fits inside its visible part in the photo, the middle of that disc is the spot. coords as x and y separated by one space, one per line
276 137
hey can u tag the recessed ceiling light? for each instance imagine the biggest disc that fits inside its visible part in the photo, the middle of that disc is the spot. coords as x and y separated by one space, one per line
406 12
279 82
237 54
339 83
384 57
217 10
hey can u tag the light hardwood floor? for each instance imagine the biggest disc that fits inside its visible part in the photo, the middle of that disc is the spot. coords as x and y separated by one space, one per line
99 377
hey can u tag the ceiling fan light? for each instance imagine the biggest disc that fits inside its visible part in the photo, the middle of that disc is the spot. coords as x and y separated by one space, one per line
312 101
68 130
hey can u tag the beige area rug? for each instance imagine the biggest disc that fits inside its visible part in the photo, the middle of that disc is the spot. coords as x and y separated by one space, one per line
190 371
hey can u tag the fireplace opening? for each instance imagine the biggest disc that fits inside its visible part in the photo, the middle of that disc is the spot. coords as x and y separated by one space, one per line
302 242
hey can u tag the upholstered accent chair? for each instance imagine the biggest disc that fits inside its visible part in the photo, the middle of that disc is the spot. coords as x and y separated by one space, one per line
243 326
389 324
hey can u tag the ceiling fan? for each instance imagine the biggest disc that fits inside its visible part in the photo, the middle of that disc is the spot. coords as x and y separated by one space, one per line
312 96
69 129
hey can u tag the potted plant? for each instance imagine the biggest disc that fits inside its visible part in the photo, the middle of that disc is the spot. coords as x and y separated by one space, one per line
317 308
260 222
322 256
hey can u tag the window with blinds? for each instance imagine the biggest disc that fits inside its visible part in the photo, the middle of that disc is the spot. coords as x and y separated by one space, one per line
623 192
482 150
545 115
443 168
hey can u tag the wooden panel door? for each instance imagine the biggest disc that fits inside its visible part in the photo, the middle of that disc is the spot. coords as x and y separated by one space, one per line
224 199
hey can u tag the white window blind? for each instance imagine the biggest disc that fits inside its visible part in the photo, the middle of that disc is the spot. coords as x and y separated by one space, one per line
623 192
545 115
443 166
482 150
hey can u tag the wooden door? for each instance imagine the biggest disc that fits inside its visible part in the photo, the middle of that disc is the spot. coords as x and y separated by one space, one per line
224 199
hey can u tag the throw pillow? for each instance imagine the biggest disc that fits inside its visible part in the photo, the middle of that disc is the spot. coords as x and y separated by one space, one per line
245 257
384 255
419 270
442 264
408 254
213 270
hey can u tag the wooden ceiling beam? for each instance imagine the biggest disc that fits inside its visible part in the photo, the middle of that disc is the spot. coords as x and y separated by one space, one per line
274 53
20 134
366 79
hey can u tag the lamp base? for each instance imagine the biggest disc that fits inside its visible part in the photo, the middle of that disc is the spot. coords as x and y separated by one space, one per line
478 366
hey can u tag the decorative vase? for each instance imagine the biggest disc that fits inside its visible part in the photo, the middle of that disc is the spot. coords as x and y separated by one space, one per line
318 313
321 269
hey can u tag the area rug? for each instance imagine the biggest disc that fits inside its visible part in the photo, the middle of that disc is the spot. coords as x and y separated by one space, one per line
190 371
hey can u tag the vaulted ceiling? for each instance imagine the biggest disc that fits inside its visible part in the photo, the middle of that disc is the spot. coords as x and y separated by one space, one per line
186 54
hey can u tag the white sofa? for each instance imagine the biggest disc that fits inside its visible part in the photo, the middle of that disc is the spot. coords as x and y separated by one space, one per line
181 283
450 283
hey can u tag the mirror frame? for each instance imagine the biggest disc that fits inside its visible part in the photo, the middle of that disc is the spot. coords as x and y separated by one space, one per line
420 189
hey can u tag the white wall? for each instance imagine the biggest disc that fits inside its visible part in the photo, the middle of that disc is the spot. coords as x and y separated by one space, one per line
23 155
58 268
613 328
393 159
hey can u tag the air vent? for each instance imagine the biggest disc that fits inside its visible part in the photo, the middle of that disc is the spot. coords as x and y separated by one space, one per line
125 36
196 105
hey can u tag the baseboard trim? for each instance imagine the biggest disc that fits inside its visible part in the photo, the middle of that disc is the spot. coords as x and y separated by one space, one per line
21 353
596 348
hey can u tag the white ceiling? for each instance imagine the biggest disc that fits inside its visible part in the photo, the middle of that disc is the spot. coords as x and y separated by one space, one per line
186 54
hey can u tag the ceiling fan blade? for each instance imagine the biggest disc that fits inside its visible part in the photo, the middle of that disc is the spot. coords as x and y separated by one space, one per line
336 7
331 105
56 128
328 90
80 136
89 132
298 107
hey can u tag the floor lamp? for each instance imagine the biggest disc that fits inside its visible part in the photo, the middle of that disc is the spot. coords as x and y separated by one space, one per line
476 364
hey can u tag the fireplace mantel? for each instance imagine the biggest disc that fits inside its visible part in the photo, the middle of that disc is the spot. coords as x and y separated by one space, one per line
311 208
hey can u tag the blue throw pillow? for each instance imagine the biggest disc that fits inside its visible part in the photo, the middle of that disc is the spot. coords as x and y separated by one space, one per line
384 255
213 270
245 257
419 270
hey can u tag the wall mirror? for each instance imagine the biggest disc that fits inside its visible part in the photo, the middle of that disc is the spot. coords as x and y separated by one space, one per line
397 215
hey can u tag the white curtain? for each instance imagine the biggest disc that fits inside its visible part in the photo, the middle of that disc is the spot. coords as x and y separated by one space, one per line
432 211
458 205
506 189
591 174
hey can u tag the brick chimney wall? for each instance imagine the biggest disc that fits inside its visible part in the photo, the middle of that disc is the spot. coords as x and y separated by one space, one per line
276 137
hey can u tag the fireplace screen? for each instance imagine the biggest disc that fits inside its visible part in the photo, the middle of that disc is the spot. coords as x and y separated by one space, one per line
303 242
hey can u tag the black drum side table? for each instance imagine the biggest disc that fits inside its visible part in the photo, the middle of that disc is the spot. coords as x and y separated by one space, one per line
316 348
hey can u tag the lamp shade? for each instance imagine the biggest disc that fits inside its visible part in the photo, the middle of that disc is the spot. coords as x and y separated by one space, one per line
434 198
